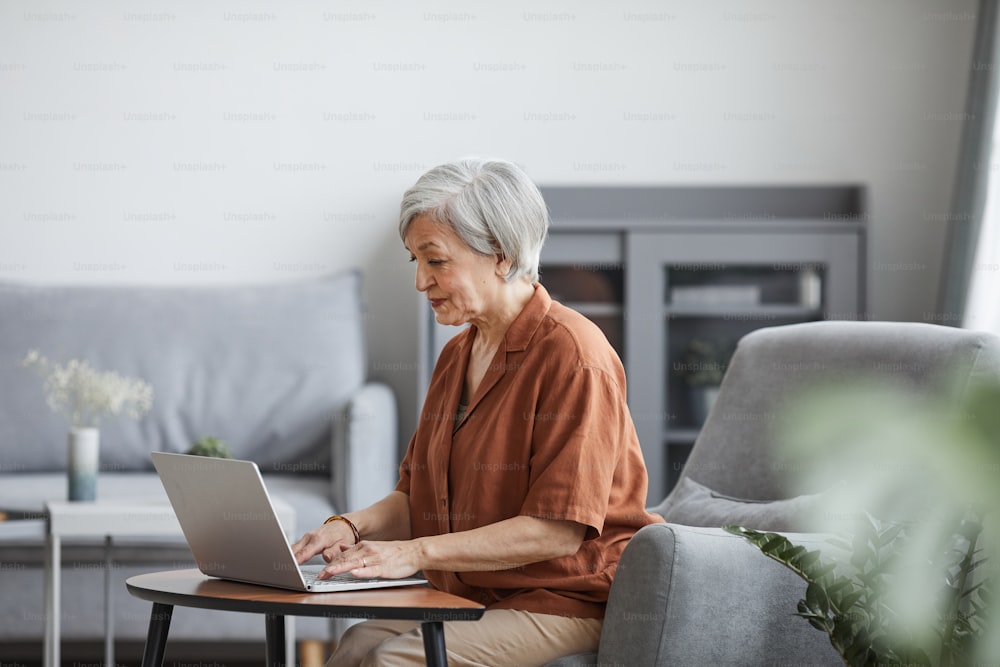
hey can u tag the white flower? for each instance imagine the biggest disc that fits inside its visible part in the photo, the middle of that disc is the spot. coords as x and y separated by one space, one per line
84 394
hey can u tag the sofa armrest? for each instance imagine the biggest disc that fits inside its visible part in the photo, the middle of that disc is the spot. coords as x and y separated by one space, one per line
364 452
700 596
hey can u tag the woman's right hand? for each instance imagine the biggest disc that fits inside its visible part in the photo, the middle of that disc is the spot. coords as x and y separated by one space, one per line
388 519
327 540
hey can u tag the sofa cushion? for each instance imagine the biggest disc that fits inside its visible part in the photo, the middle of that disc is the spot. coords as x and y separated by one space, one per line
264 368
693 504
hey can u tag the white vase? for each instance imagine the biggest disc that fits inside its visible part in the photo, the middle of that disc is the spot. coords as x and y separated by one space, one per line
82 457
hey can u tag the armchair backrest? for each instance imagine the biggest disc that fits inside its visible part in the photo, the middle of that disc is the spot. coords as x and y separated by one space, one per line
734 451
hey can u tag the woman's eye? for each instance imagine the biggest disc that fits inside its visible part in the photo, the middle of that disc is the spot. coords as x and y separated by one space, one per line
432 262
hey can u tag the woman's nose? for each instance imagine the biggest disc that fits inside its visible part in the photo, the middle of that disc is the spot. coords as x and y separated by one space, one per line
423 279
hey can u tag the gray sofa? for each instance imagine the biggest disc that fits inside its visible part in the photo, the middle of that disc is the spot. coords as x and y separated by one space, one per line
688 593
277 371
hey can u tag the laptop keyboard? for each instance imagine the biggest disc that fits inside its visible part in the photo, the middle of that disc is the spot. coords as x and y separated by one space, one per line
344 577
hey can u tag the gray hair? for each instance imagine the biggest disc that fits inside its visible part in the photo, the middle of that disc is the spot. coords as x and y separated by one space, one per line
491 205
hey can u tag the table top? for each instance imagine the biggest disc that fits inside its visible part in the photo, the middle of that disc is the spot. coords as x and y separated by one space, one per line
127 516
21 525
120 516
191 588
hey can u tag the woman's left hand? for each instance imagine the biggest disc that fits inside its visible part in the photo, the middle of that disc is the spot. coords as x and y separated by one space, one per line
391 560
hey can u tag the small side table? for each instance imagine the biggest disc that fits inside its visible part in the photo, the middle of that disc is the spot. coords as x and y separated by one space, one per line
190 588
106 518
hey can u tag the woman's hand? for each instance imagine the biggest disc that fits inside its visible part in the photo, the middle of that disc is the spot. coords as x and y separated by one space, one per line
392 560
328 540
388 519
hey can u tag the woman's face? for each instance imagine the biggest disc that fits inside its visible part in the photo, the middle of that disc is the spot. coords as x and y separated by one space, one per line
459 282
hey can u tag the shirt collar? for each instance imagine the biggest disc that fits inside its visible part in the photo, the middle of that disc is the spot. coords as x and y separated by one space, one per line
528 320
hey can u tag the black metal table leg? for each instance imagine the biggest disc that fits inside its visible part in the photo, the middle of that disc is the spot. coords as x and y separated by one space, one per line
275 639
434 644
156 638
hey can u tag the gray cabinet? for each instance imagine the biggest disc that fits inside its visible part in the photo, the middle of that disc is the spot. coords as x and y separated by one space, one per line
674 276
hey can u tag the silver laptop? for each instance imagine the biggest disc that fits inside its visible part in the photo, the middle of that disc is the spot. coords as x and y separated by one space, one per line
233 531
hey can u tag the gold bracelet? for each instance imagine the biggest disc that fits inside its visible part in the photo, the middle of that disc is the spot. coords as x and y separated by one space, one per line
354 529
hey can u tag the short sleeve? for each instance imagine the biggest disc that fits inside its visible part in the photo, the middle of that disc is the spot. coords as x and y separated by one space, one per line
577 443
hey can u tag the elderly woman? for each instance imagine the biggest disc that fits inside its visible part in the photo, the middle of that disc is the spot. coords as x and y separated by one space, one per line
524 479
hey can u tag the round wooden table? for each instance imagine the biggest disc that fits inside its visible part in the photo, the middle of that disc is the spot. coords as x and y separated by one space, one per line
191 588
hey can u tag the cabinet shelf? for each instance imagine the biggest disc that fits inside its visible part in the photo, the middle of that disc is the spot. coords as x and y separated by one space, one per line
680 436
595 309
761 311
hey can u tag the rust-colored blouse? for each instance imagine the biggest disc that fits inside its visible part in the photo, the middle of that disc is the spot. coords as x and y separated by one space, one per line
548 434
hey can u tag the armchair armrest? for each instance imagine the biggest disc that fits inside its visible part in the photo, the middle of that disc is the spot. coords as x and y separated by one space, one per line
700 596
364 452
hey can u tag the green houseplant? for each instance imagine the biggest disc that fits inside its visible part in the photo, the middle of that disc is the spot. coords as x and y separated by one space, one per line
914 586
211 446
704 362
702 366
851 598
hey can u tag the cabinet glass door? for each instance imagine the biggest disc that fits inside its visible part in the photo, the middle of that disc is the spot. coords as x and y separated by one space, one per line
585 272
691 298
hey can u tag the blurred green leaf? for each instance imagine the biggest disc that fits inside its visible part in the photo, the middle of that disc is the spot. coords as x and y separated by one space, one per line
908 582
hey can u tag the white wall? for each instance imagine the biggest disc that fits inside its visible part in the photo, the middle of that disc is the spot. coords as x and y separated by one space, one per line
217 142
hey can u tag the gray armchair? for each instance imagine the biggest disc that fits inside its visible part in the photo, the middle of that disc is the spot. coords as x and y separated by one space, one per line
688 593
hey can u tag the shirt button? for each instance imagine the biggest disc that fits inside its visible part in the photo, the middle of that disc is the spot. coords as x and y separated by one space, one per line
444 501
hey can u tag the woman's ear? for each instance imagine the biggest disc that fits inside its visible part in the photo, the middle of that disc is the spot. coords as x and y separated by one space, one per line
503 266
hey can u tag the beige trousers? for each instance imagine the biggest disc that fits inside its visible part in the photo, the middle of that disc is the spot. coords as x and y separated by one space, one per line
500 637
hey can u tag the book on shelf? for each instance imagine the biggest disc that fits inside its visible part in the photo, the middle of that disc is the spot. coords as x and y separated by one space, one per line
715 295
